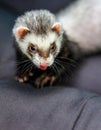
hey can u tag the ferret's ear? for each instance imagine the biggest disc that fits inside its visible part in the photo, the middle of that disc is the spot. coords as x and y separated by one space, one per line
56 27
21 32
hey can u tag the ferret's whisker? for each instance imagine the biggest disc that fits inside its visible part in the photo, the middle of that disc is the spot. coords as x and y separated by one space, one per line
61 66
65 58
66 63
29 66
54 68
28 69
22 62
64 68
23 68
57 69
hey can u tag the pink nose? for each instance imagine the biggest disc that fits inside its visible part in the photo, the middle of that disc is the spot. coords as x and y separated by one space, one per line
43 66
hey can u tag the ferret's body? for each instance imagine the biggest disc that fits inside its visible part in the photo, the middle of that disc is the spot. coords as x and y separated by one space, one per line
82 23
47 49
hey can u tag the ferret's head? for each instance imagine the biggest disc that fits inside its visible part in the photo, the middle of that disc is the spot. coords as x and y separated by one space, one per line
39 45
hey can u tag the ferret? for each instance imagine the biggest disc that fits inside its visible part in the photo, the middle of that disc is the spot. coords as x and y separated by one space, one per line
48 45
42 48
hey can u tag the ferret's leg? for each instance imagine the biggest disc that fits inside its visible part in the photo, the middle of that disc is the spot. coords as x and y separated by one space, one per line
23 77
23 67
45 78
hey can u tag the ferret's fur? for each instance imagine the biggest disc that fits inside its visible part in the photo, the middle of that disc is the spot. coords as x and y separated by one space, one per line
58 40
82 23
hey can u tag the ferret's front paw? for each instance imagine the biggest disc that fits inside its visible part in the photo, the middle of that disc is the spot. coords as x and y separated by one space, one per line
23 77
44 79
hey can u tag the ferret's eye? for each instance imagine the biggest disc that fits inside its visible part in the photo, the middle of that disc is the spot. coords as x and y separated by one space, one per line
52 47
32 48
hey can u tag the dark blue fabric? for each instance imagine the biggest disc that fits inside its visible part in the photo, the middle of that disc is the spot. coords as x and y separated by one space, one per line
60 108
22 5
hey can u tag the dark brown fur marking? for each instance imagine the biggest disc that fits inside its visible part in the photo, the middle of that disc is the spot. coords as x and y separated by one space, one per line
44 54
54 51
28 50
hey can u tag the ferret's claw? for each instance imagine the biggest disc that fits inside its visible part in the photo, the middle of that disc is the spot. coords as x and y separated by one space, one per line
44 79
30 74
21 79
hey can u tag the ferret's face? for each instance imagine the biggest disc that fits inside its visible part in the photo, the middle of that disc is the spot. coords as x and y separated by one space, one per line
41 49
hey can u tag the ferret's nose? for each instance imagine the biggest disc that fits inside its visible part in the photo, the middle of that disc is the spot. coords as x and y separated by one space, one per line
43 66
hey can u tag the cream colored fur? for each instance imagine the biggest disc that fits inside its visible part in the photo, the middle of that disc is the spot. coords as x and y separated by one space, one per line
82 23
43 43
